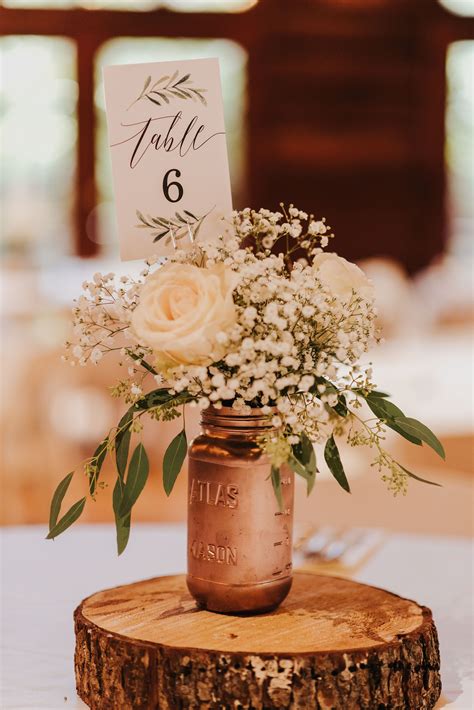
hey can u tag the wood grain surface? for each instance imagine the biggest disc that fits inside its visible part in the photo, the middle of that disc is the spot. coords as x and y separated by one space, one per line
333 643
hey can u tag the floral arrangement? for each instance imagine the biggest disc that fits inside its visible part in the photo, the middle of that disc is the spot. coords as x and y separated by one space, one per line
262 319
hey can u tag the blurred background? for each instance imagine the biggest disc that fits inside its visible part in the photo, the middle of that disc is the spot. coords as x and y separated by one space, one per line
361 111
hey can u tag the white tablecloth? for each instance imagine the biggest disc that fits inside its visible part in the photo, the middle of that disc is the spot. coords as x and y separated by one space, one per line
42 583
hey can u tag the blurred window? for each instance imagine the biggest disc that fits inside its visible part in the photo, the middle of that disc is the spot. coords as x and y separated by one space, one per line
39 131
56 179
129 50
459 7
140 5
460 145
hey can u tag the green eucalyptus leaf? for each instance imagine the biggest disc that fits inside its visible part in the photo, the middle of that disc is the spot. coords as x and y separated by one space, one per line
303 461
123 533
276 483
341 406
297 466
173 460
68 519
388 412
414 428
136 478
304 452
372 393
418 478
117 496
122 525
154 398
306 473
57 499
122 442
333 460
411 429
383 408
412 439
98 457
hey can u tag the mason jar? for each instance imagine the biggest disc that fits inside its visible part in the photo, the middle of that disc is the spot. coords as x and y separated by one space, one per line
239 541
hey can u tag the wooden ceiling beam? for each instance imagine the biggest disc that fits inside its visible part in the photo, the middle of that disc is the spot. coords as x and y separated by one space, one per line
106 24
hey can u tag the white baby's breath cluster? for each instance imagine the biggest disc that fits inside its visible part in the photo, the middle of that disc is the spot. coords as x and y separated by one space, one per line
293 333
101 325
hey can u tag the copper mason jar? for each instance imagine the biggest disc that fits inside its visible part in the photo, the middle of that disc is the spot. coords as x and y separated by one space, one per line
239 542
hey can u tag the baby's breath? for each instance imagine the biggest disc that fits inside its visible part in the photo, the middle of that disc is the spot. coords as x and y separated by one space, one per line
294 350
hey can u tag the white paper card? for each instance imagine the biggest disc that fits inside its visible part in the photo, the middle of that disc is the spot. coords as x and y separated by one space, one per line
169 155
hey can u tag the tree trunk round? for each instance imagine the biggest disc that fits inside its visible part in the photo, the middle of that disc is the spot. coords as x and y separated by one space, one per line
333 644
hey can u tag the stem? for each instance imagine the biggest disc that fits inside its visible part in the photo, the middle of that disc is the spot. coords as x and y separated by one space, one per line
375 438
134 102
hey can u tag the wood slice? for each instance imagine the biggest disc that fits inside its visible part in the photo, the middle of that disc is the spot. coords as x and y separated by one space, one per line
333 644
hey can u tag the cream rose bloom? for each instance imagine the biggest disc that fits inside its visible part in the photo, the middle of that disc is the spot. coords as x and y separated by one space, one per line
342 277
181 309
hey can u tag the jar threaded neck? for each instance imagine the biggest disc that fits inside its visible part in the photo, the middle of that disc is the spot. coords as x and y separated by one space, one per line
236 421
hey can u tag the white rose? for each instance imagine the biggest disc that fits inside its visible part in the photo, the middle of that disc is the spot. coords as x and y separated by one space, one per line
181 310
342 277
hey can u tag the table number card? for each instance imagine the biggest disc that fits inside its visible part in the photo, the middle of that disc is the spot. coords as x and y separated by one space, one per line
169 156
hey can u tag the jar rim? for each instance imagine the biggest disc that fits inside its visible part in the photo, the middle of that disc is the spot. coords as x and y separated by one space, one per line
231 418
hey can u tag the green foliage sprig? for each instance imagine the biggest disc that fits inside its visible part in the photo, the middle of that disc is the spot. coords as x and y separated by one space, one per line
162 405
302 458
132 474
179 225
168 88
302 461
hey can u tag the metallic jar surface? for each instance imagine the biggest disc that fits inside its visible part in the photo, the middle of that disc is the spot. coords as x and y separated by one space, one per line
239 543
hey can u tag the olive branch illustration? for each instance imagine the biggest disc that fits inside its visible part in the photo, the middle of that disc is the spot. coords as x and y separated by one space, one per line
168 88
175 228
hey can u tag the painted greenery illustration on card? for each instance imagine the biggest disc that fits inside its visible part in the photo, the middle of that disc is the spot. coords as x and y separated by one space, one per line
169 156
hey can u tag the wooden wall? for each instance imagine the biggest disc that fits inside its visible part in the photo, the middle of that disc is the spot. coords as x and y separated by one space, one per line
347 113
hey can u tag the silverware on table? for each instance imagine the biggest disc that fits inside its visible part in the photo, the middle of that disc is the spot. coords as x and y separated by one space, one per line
342 546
